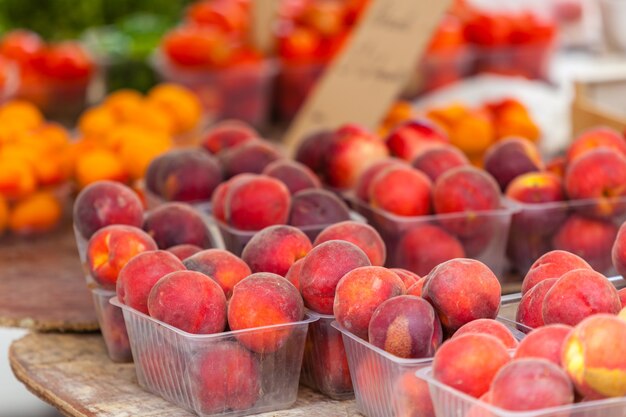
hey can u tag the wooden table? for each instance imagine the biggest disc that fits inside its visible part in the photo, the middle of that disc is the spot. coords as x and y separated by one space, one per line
42 286
73 373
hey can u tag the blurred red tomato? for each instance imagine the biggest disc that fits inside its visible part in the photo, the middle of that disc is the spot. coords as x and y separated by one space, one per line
65 61
21 46
227 15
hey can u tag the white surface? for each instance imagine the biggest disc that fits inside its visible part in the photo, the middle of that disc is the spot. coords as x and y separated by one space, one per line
15 399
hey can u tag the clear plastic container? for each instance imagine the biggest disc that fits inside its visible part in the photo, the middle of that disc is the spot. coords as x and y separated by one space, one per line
535 226
240 92
531 61
236 239
213 375
112 326
384 384
485 233
293 85
450 402
440 68
325 365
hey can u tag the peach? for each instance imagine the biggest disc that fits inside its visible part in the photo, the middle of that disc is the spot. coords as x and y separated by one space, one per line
317 207
408 278
426 246
225 377
253 203
313 150
264 299
524 246
111 247
184 250
409 139
331 371
531 384
351 151
104 203
598 174
462 290
293 275
155 363
139 275
360 292
469 363
275 248
535 188
557 166
622 296
530 309
438 160
296 176
114 333
184 175
405 326
362 186
599 137
403 191
579 294
511 158
189 301
412 397
618 251
622 314
221 266
545 342
589 238
593 357
322 269
417 288
218 199
361 234
252 156
174 224
552 264
227 134
491 327
465 190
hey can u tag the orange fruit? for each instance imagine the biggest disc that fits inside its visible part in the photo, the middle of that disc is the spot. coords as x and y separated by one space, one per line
96 121
123 102
4 214
137 154
98 164
154 117
17 179
21 113
181 103
38 212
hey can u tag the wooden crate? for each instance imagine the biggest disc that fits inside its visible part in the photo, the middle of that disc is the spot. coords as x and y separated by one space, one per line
599 103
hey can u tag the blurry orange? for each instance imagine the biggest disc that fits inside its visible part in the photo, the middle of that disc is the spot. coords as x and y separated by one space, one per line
98 164
400 111
17 179
182 104
39 212
448 115
21 113
51 170
123 102
53 135
473 134
122 133
21 153
96 121
154 117
4 214
137 154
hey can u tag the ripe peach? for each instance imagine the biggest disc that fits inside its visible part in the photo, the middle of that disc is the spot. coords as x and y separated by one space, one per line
401 190
511 158
426 246
218 199
589 238
469 363
111 247
275 248
406 326
253 203
408 278
531 384
361 234
417 288
535 188
598 174
545 342
360 292
618 251
293 275
184 175
530 309
173 224
139 275
579 294
184 250
227 134
313 150
252 156
322 269
469 190
491 327
296 176
225 377
552 264
221 266
264 299
622 296
317 207
557 166
412 397
104 203
330 370
438 160
189 301
411 138
599 137
462 290
593 356
351 151
362 186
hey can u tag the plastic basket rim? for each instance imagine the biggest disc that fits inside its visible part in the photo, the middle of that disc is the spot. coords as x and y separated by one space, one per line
506 210
565 204
306 320
197 204
426 374
160 63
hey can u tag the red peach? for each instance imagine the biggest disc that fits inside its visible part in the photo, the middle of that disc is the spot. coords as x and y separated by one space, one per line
296 176
491 327
293 275
174 224
438 160
545 342
408 140
184 250
218 199
530 309
552 265
361 234
403 191
412 397
361 189
252 156
535 188
618 251
510 158
221 266
622 297
408 278
417 288
599 137
314 207
227 134
313 150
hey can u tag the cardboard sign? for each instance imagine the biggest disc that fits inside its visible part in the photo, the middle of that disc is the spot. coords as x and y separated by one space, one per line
365 79
264 14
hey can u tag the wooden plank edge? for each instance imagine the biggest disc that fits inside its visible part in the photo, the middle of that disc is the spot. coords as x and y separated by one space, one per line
49 326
